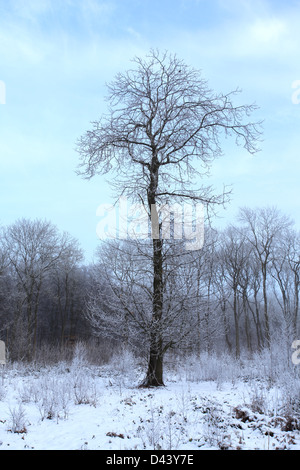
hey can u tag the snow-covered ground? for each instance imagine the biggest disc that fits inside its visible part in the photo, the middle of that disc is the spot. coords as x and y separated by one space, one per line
79 406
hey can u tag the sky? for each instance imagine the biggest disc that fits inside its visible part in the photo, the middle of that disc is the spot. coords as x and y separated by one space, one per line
56 57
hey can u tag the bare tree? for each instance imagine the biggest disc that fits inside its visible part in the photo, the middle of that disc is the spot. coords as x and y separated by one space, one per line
120 306
206 271
293 257
265 227
5 287
223 294
286 273
119 302
252 299
33 247
63 281
158 141
235 254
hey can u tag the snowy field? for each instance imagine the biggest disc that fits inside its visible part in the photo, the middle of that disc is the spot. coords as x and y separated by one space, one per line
212 404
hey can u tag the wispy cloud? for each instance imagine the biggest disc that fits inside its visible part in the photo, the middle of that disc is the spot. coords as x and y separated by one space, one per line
57 55
30 10
269 30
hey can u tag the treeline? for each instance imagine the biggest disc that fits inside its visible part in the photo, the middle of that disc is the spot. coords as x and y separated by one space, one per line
239 292
43 286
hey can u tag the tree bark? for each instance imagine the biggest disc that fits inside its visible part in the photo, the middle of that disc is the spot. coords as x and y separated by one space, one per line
266 314
236 324
154 376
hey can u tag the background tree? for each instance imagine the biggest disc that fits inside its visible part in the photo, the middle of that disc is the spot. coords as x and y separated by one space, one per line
293 258
33 248
265 227
159 139
285 270
6 291
120 306
234 256
65 283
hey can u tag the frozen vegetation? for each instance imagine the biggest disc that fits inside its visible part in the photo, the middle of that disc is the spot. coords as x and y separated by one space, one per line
211 313
211 402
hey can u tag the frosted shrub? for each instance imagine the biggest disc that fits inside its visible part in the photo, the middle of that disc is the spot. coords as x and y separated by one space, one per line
123 367
290 409
123 361
51 395
30 392
212 367
154 431
165 427
82 384
54 398
80 356
17 423
151 432
269 365
54 393
84 389
259 400
174 430
214 427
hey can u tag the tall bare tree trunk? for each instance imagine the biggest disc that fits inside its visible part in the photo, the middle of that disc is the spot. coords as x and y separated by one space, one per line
266 314
236 324
154 376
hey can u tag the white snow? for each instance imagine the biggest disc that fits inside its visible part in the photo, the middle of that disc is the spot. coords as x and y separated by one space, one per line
85 407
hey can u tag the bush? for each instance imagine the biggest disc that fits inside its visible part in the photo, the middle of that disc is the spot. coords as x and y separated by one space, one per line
17 420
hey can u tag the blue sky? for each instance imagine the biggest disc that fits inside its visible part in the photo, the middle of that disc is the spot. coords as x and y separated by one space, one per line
57 55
